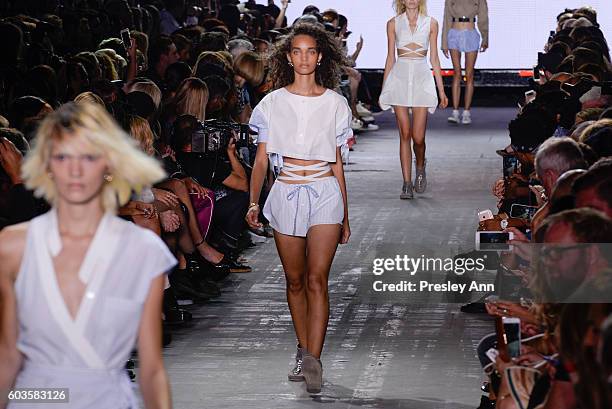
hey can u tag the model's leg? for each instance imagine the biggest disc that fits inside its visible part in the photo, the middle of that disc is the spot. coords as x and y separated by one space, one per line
403 124
292 252
470 62
322 242
456 89
419 125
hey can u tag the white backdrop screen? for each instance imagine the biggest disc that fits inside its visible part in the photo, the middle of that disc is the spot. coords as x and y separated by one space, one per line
518 29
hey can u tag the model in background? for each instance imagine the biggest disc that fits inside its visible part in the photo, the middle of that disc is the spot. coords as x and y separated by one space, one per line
409 86
302 126
80 287
459 35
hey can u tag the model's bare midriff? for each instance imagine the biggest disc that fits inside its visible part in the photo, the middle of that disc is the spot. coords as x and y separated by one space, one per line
458 25
303 162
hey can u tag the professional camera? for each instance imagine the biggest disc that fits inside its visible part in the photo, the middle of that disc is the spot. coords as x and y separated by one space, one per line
212 136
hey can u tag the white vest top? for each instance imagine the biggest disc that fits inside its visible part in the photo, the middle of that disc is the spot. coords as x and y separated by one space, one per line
86 354
300 127
409 43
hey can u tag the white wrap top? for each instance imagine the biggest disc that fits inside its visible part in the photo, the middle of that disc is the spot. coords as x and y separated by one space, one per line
86 354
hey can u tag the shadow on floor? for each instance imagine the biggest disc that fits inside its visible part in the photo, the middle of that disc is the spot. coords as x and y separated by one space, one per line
338 396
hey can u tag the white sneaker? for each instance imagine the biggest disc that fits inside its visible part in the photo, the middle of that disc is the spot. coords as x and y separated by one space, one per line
454 119
356 124
370 127
466 118
362 110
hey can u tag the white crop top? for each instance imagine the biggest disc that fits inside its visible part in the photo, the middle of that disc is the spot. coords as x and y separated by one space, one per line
308 128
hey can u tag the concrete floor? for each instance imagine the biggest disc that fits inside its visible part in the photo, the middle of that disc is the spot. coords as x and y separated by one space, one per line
382 351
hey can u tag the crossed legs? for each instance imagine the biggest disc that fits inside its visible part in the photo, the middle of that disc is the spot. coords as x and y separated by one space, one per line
307 262
411 137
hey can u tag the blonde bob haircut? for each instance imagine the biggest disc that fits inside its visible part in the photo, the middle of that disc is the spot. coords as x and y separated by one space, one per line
131 168
400 7
250 66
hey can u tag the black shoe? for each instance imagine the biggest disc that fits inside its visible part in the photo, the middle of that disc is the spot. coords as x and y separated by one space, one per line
177 316
203 284
166 337
486 403
183 286
474 308
173 315
220 270
236 266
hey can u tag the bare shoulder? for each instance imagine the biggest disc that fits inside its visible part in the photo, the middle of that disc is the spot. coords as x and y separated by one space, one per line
12 246
391 22
434 22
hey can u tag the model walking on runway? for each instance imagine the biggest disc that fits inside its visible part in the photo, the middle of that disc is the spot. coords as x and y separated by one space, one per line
409 86
302 126
459 35
79 287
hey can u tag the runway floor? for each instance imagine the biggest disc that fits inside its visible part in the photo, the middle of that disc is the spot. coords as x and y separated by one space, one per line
382 351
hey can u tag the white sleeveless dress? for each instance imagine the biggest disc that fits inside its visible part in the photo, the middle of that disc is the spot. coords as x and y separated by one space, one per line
87 354
410 82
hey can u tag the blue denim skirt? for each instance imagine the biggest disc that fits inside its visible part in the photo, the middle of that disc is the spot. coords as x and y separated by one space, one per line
463 40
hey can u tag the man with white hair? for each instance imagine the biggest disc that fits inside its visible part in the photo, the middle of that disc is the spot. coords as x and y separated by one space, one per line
239 46
555 157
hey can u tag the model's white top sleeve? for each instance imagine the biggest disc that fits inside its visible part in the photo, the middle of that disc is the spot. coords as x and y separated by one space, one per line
259 121
344 132
299 127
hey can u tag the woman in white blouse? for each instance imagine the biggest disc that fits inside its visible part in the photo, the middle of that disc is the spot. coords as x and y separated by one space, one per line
78 285
303 126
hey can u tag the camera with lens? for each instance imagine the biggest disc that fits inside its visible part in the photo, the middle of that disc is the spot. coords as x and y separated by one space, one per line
213 136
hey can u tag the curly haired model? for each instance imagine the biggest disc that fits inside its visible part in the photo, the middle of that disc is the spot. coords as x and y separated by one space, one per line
303 127
328 71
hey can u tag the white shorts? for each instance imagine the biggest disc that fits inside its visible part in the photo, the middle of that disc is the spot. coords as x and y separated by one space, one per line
293 208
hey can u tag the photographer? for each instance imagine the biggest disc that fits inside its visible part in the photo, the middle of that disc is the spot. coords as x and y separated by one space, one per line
220 171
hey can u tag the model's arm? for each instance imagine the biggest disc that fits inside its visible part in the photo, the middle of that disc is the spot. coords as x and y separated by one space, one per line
338 170
390 48
446 25
434 58
260 169
483 23
153 379
12 244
